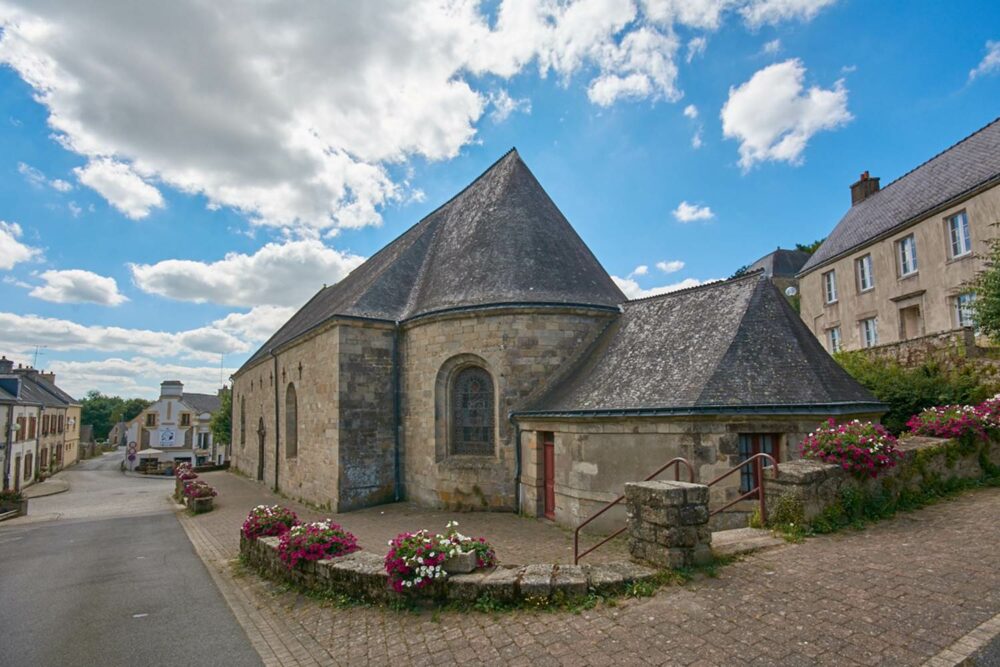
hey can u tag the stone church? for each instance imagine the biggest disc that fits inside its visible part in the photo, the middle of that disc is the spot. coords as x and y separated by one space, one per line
486 360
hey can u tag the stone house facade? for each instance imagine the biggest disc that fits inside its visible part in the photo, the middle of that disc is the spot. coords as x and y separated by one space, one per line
176 427
897 265
19 413
440 369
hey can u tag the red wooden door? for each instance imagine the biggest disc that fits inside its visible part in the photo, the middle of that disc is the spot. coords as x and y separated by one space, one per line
549 467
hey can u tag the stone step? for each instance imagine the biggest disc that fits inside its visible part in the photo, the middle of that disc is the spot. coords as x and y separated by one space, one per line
743 541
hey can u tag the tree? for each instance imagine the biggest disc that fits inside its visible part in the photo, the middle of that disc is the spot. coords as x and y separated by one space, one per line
102 412
740 271
986 286
809 247
222 419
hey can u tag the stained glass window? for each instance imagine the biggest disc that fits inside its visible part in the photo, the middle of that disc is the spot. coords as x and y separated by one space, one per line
472 413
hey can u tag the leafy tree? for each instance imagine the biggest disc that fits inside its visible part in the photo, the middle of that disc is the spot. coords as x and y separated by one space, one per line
222 419
740 271
908 390
986 285
809 247
102 412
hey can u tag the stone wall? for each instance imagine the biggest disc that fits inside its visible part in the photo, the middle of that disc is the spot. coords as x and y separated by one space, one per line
596 457
520 348
943 347
805 489
668 523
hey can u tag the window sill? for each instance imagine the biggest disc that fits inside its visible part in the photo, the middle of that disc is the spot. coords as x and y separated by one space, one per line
912 274
867 290
831 303
959 258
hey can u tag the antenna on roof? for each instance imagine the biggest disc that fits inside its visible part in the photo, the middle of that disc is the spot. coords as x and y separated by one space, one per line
34 363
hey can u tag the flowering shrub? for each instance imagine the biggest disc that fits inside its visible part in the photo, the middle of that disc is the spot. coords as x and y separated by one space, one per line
268 521
185 474
989 410
416 559
198 489
951 421
315 541
183 468
861 448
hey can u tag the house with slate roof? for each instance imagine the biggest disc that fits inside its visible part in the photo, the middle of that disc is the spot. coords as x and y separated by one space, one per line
174 428
486 360
20 409
782 266
897 265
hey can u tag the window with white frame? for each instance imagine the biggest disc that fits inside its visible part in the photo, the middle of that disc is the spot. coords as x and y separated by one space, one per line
865 279
833 338
958 233
869 332
907 255
830 286
963 309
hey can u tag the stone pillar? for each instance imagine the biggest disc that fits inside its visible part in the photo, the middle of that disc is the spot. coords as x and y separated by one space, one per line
668 523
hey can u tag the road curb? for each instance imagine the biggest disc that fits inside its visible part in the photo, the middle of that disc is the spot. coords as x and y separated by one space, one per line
47 493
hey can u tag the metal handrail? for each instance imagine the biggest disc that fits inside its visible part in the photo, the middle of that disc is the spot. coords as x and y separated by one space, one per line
576 534
757 490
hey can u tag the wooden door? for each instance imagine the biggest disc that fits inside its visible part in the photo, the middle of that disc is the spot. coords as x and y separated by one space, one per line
17 473
260 450
549 473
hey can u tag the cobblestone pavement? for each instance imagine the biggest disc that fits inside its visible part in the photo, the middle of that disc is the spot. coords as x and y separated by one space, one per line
900 592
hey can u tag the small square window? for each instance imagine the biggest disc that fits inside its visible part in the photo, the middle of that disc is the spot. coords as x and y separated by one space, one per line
865 279
833 339
830 286
907 256
151 419
958 234
185 419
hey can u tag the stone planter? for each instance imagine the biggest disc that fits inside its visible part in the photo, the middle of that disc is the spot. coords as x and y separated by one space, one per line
462 563
20 505
200 505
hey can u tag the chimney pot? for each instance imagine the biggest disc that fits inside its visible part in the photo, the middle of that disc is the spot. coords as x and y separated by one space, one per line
865 187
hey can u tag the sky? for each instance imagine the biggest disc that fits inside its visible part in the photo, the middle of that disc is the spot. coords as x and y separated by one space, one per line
176 179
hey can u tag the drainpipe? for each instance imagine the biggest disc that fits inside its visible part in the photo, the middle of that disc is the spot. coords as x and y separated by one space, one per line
8 447
397 409
277 427
517 462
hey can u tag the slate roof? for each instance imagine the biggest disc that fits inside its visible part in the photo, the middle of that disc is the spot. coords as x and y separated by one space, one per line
781 263
970 163
6 397
202 402
51 388
727 346
32 391
501 240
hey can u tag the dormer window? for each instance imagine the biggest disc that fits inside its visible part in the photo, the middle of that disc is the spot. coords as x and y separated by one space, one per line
150 419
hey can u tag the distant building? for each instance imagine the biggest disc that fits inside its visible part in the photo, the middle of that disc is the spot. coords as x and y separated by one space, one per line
781 266
20 407
177 425
898 264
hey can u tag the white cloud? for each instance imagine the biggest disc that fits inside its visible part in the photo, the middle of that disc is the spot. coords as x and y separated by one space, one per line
640 67
285 274
34 176
990 64
257 325
13 251
120 185
78 286
21 333
696 142
696 47
704 14
74 209
61 185
773 117
760 12
633 291
686 212
640 270
138 376
772 47
673 266
504 105
691 111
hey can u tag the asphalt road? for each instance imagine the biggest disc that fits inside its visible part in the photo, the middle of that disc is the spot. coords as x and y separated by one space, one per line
105 575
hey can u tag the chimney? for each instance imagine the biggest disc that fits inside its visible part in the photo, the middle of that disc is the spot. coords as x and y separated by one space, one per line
863 189
171 389
49 377
6 365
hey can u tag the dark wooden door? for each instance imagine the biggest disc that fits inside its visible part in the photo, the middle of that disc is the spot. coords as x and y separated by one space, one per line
17 473
549 473
261 432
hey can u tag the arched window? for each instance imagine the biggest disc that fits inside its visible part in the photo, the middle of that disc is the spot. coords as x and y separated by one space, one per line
291 422
472 412
243 421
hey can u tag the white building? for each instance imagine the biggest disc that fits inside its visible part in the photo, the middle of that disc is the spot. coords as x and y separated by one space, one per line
178 426
20 408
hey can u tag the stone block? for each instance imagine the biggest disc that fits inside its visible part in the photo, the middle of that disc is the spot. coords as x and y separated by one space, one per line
693 515
501 583
466 587
536 581
570 581
603 578
461 563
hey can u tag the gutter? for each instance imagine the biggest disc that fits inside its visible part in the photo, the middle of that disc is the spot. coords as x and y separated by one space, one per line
277 427
778 408
397 421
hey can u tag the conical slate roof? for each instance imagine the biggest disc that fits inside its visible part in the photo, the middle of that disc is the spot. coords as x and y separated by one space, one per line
501 240
728 346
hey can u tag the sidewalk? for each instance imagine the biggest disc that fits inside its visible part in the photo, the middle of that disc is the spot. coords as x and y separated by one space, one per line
49 487
923 586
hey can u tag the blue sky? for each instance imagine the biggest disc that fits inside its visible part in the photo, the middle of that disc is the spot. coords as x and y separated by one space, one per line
176 181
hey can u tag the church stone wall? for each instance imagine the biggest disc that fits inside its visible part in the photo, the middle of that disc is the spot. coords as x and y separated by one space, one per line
521 349
255 387
595 458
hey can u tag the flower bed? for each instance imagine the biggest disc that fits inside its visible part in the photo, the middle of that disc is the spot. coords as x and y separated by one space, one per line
198 489
315 541
954 421
417 559
861 448
268 521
